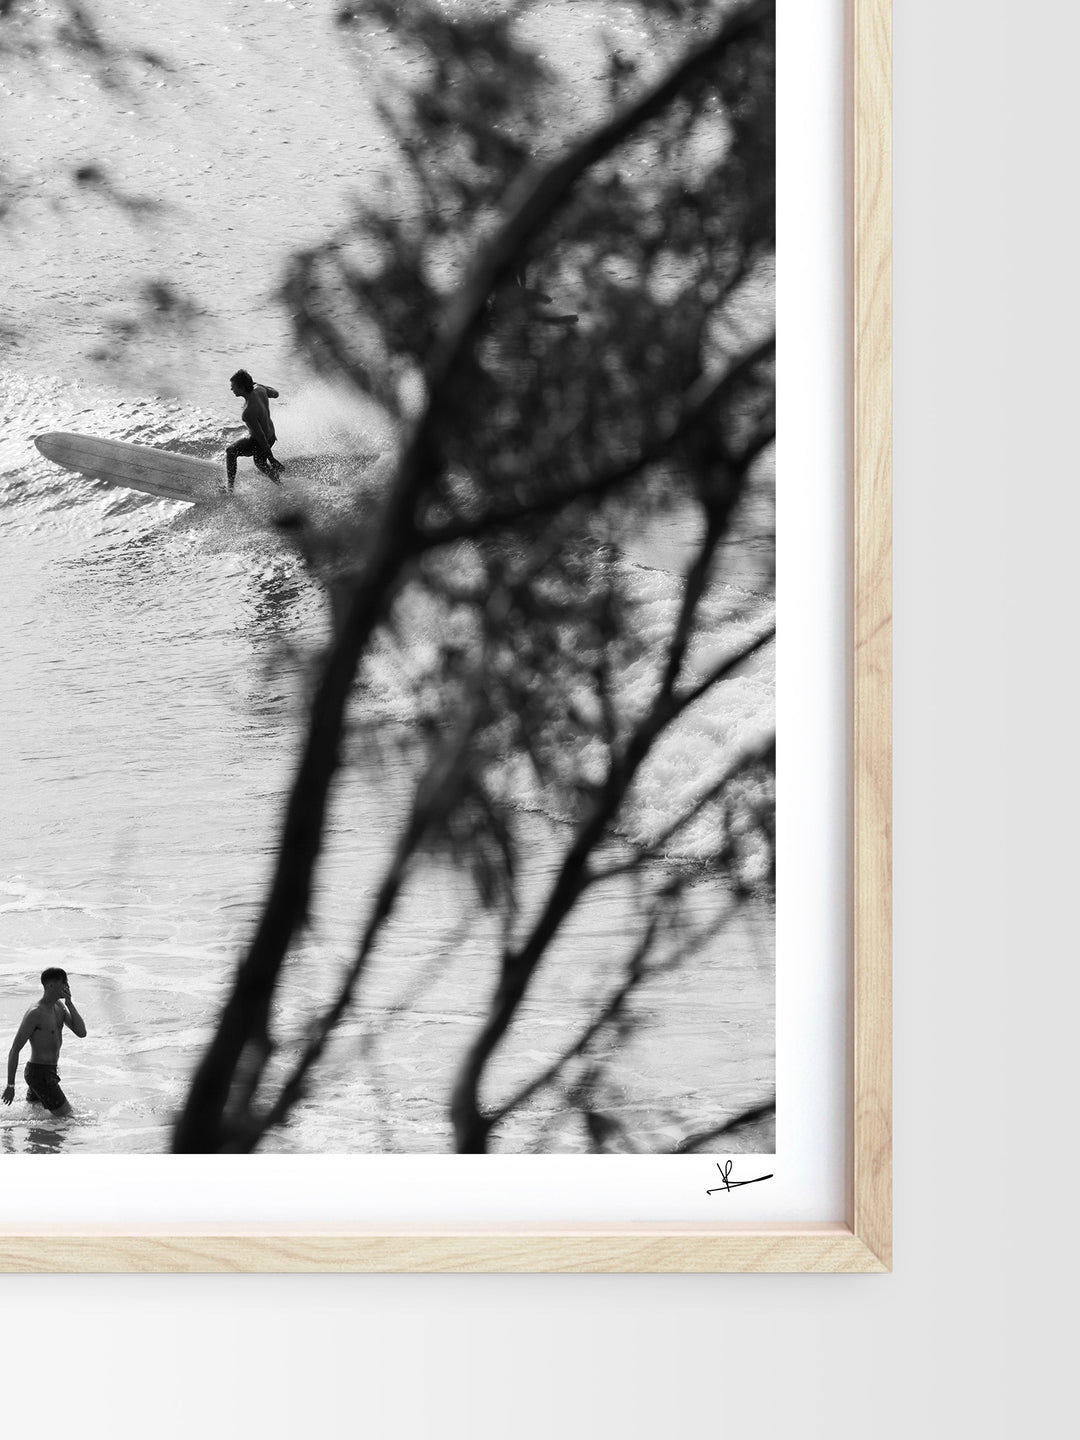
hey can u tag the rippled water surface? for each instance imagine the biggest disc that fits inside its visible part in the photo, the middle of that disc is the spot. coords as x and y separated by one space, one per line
152 654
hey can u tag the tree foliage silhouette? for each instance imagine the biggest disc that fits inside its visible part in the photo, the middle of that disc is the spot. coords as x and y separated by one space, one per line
558 327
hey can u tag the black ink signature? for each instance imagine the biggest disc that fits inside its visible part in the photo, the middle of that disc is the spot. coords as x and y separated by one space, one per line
729 1184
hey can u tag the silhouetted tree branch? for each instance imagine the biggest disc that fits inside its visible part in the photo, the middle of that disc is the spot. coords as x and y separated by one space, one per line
507 468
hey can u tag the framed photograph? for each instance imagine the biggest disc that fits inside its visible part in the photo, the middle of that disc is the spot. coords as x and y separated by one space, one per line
447 746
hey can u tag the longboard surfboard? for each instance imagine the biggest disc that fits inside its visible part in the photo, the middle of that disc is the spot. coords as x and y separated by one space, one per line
136 467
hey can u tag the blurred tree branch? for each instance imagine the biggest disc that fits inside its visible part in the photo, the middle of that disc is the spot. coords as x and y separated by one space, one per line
532 442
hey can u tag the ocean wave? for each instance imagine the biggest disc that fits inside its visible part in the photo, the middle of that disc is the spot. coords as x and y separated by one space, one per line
19 897
150 539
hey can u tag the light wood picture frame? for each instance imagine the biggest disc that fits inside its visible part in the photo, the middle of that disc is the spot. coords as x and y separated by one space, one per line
861 1242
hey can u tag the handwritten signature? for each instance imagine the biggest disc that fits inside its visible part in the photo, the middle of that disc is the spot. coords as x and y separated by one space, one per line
729 1184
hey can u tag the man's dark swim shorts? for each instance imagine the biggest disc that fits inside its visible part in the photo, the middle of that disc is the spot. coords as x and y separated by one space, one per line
43 1086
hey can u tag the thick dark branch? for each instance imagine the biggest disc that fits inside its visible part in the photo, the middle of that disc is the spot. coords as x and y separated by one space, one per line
420 816
243 1026
244 1021
292 1088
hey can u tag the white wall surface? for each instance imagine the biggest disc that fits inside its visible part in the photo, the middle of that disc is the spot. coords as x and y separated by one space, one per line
968 1336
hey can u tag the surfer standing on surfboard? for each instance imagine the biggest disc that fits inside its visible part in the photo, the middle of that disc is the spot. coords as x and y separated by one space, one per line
261 436
43 1026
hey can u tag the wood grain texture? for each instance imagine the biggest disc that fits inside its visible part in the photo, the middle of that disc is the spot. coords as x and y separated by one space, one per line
636 1249
862 1243
870 1101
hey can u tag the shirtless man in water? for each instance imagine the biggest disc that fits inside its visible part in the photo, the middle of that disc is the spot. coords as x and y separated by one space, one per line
261 436
43 1026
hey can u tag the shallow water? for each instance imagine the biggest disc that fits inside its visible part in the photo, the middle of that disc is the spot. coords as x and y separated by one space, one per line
152 654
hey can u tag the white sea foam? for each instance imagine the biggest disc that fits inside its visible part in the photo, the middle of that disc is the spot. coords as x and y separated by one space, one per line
152 655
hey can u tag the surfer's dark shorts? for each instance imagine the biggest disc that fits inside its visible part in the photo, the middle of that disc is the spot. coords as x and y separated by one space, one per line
43 1086
264 459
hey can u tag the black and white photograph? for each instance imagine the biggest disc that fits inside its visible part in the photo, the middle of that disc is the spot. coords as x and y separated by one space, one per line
394 837
388 733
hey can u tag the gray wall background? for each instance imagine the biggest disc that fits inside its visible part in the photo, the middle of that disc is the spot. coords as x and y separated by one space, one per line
967 1337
